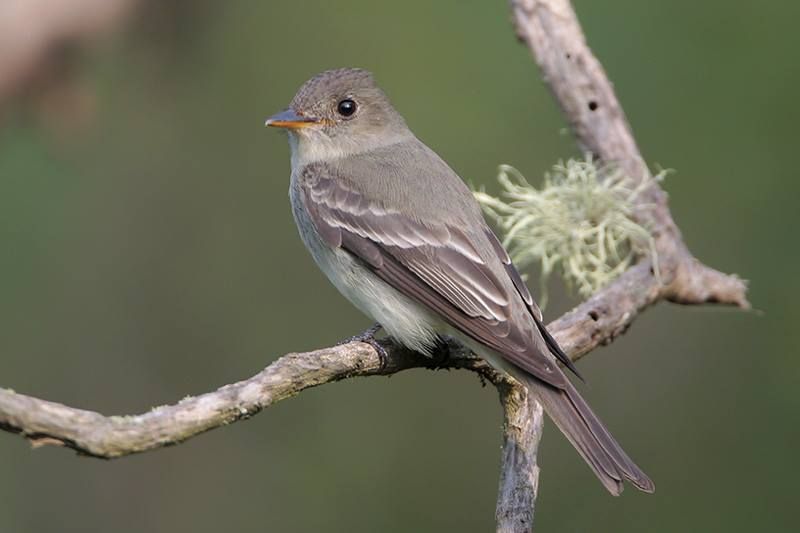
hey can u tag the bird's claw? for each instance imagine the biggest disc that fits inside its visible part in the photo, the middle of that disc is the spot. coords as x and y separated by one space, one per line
441 354
368 337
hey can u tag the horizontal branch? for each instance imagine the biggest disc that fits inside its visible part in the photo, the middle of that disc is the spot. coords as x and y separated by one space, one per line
96 435
597 321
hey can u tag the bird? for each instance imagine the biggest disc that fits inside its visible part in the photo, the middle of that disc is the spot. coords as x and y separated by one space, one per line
402 237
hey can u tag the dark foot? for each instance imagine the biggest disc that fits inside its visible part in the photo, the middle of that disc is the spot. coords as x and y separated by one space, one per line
368 337
441 352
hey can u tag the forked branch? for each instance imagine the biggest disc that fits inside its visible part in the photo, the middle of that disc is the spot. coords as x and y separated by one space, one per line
551 31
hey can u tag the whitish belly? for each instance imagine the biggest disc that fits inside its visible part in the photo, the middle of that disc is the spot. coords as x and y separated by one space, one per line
408 322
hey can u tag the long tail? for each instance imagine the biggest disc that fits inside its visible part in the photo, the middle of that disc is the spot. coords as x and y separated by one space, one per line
589 436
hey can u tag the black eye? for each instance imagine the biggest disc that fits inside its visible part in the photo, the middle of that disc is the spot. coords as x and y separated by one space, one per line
346 107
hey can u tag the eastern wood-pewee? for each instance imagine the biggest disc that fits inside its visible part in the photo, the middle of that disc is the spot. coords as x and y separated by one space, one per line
400 235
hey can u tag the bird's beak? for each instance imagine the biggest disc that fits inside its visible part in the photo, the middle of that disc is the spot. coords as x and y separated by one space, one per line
290 119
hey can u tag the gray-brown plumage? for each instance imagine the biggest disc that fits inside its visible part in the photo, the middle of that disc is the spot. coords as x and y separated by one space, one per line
401 236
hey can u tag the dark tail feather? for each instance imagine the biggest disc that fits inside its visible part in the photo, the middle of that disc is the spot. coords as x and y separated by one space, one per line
589 436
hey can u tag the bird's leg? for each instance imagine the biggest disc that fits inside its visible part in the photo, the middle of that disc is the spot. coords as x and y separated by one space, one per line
368 337
441 353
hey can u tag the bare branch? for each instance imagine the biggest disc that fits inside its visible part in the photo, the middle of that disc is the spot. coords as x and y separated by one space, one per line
597 321
577 80
109 437
519 475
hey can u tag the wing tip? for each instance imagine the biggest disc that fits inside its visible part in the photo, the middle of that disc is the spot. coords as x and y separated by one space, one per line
644 484
630 473
556 350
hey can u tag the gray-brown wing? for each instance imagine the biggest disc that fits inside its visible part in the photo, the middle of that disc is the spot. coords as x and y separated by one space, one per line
523 291
436 265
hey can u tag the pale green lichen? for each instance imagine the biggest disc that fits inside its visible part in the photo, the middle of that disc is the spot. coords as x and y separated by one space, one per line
580 222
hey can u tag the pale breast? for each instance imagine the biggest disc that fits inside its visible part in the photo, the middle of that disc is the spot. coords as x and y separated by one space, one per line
406 321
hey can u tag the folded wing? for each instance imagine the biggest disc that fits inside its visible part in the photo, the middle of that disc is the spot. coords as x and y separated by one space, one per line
438 266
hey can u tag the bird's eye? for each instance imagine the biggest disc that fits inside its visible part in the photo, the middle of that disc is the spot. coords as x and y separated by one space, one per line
346 107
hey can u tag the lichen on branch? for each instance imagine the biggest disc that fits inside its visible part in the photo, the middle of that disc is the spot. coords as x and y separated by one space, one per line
579 223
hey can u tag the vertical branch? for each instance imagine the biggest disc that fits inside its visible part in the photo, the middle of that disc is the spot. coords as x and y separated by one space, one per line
576 78
519 474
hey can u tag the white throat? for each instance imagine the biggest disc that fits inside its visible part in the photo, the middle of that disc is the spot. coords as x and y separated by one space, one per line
311 146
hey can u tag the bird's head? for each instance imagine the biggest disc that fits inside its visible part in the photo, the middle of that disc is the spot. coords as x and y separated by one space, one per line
338 113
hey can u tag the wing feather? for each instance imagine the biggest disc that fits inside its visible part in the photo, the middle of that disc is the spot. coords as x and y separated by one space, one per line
523 291
436 265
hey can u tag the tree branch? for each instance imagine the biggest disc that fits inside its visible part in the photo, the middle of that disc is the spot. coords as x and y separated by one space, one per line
109 437
523 419
579 84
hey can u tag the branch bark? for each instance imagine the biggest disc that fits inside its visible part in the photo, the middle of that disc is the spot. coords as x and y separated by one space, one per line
109 437
523 419
551 30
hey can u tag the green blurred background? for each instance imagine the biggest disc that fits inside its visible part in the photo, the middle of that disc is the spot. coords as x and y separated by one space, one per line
149 253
